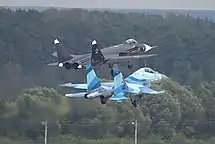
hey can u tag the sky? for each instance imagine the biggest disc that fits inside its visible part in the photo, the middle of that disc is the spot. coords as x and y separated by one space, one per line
124 4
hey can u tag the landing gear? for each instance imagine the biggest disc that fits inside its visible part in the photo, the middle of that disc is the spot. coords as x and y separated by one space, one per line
130 66
103 100
134 102
111 69
111 72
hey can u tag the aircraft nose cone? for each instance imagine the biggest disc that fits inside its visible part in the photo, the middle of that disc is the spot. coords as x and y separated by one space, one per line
147 47
94 42
56 41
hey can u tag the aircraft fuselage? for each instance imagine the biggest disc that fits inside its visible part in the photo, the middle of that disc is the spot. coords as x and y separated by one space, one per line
101 91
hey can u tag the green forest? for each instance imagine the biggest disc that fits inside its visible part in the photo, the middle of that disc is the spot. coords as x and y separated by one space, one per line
29 95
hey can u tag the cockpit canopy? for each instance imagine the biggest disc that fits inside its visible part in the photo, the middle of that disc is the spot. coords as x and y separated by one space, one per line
149 70
130 41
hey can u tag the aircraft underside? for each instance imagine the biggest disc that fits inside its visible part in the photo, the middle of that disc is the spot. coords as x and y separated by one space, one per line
104 96
77 66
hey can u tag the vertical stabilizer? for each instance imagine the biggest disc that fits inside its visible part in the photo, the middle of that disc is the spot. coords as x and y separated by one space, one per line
96 55
119 83
62 53
93 81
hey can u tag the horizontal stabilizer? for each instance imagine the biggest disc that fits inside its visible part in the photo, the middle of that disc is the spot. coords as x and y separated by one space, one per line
119 97
150 91
76 95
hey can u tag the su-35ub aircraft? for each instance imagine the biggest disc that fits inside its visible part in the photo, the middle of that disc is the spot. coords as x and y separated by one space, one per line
124 51
123 88
143 76
105 90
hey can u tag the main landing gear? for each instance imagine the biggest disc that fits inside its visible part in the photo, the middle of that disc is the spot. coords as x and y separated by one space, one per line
130 66
103 99
111 69
134 102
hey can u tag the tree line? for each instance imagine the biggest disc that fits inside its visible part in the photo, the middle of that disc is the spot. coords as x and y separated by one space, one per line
184 113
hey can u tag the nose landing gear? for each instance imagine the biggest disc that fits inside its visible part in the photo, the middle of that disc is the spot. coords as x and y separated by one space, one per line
130 66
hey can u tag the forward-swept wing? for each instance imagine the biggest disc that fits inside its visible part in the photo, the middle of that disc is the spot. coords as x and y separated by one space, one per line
117 53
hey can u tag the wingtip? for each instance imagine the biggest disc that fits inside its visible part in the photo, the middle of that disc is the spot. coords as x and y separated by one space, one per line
94 42
56 41
69 84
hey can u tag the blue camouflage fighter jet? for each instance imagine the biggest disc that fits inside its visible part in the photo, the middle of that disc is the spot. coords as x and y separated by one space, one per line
93 87
138 82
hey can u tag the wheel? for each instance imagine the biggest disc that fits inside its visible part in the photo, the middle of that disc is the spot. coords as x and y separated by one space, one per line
85 96
135 103
103 100
130 66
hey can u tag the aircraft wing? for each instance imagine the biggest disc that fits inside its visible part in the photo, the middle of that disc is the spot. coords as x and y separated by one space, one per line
148 90
118 98
121 58
84 86
76 95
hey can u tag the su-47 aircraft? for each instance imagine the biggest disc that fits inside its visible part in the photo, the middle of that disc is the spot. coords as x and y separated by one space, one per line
138 82
121 52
